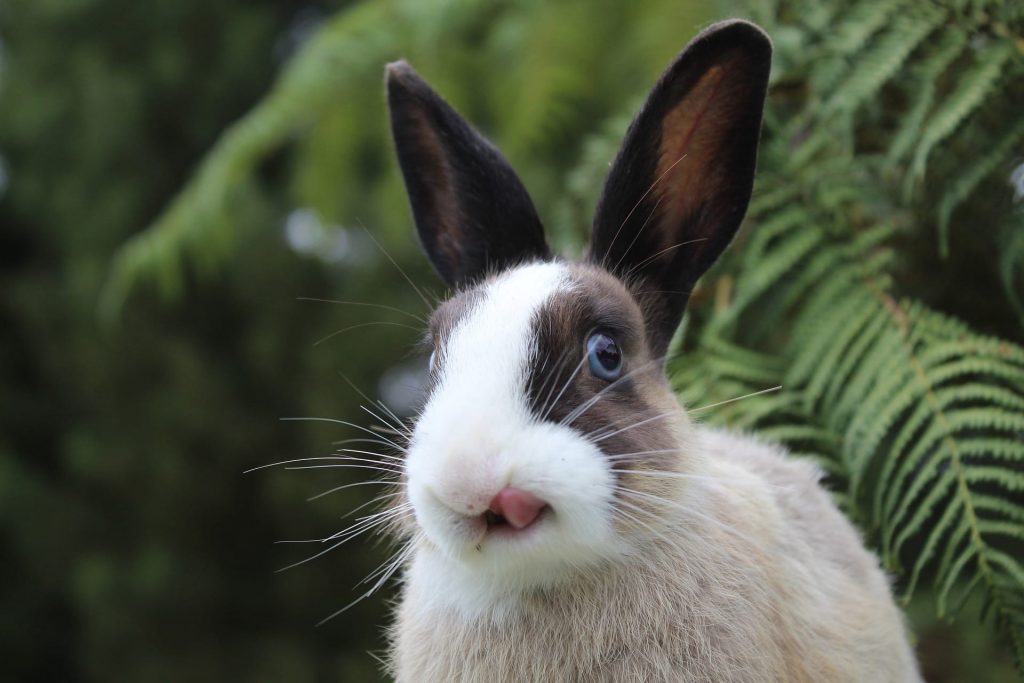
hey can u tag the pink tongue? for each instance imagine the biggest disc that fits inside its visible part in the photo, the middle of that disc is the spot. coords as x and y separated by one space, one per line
518 507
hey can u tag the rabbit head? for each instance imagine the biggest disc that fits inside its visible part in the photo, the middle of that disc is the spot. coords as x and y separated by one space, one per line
547 395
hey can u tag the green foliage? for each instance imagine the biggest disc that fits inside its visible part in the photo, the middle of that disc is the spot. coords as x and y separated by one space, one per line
880 274
918 419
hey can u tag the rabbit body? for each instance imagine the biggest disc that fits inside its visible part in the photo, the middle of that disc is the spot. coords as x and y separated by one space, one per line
770 583
564 519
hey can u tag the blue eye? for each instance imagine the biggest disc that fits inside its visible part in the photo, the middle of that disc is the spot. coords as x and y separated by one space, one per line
604 357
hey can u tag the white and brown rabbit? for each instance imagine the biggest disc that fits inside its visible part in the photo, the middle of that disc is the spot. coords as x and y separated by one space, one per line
570 522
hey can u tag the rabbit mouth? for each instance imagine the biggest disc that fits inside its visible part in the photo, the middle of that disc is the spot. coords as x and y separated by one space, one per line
497 524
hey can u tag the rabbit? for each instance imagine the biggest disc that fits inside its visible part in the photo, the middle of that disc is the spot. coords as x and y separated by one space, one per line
569 521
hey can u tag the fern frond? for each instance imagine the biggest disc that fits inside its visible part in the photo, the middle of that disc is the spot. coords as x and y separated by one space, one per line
859 24
926 73
348 45
878 64
973 87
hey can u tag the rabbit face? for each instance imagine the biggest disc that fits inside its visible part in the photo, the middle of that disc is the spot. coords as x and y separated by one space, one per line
515 405
548 397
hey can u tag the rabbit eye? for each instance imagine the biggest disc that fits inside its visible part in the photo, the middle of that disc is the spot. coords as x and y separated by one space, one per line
604 357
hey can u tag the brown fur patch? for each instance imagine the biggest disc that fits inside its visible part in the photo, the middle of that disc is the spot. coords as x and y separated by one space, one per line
633 419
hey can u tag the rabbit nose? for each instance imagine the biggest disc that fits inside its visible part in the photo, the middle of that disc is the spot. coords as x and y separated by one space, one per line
518 507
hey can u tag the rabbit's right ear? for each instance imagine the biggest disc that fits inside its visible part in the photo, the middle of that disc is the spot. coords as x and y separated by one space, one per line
472 213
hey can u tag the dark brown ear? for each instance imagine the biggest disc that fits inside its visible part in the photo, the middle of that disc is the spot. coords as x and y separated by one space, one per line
472 213
681 183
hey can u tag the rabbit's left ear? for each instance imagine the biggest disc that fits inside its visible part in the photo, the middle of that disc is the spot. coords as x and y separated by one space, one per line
472 213
681 183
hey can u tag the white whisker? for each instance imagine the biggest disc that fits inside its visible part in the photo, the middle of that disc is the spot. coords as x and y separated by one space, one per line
564 388
663 251
619 457
372 482
375 499
360 440
394 459
340 422
641 423
688 511
343 466
738 398
353 531
372 323
371 520
635 206
394 417
362 303
552 380
288 462
408 279
640 230
670 475
400 558
578 412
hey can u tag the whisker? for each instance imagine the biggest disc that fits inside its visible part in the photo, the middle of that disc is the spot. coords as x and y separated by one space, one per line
552 380
344 466
374 429
360 440
635 206
660 534
653 256
619 457
578 412
371 520
353 532
670 475
641 423
394 459
637 235
373 482
663 251
401 557
358 325
398 267
397 419
375 499
738 398
689 511
564 387
340 422
359 391
400 428
288 462
362 303
700 477
377 572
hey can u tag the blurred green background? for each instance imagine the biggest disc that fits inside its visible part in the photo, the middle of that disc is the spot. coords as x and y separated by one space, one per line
132 547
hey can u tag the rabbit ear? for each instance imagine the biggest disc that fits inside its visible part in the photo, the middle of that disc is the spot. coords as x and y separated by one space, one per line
472 212
681 183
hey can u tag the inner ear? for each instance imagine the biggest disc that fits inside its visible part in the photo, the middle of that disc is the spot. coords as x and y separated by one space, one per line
693 161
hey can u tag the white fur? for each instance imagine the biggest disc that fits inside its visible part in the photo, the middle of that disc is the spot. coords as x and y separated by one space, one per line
477 435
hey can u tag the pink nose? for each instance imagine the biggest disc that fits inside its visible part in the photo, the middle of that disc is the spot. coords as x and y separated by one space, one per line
519 508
